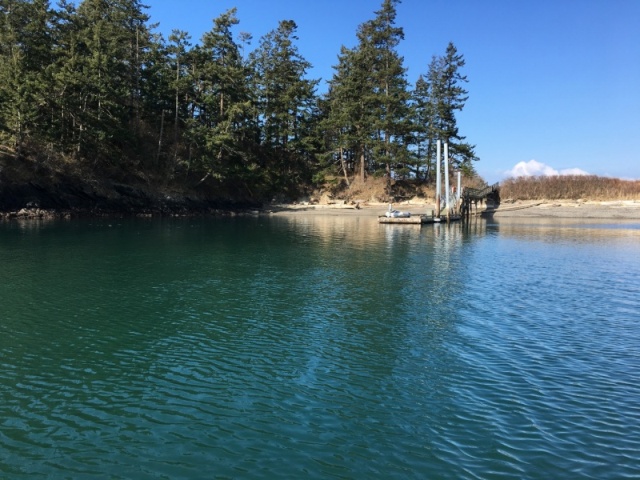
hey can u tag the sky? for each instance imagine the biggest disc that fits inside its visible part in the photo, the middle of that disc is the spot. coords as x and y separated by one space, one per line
554 85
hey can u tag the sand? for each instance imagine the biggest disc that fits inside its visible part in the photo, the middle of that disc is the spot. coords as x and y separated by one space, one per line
627 209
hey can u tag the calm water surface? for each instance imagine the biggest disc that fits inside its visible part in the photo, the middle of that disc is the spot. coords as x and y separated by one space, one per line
319 347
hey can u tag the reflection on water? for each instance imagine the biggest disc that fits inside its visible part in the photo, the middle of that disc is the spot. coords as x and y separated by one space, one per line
319 347
575 230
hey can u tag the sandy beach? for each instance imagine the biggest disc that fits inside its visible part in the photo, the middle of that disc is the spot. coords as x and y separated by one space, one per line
621 209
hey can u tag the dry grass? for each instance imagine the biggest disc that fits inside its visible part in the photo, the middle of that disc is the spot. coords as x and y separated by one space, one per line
375 189
570 187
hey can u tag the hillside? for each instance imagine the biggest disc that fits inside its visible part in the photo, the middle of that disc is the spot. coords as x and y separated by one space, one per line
34 188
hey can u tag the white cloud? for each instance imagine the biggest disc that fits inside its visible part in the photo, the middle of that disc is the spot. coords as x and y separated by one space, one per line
533 168
573 171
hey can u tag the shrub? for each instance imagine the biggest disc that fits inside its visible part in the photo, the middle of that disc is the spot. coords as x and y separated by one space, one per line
570 187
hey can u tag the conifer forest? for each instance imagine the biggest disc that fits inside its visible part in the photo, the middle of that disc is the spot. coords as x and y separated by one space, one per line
91 87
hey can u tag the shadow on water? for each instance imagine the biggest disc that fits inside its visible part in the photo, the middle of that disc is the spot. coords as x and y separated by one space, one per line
316 347
282 343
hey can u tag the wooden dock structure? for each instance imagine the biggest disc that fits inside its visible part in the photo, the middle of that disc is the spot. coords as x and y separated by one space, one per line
417 219
461 209
412 220
474 195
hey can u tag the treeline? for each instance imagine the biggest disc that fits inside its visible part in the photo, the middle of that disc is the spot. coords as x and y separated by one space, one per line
569 187
96 86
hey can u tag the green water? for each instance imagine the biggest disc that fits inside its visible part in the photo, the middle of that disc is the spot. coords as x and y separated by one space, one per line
319 347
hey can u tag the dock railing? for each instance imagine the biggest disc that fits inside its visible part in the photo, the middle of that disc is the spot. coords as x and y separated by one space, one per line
476 195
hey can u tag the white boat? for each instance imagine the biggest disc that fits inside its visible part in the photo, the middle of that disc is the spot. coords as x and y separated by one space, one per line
396 213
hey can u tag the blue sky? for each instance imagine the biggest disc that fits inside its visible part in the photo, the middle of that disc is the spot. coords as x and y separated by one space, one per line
553 85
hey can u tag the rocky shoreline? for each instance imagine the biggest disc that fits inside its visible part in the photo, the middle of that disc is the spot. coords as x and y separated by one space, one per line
64 200
70 200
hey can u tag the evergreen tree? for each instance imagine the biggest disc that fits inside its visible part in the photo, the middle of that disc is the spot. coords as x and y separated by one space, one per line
180 84
66 77
368 97
438 97
379 40
285 104
222 126
94 81
423 132
347 123
25 55
112 41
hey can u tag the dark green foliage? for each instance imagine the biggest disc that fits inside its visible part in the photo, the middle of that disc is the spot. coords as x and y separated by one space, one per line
113 41
221 125
367 121
25 52
436 99
95 87
284 107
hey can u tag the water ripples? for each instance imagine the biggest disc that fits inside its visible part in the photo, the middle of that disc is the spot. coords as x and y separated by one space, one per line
318 351
561 358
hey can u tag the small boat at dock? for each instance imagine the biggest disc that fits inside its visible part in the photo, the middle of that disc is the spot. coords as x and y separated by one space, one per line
399 217
396 213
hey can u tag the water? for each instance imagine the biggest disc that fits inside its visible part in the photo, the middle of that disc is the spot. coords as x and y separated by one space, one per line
319 347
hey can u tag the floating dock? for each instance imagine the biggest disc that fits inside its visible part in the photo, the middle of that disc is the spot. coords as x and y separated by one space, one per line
413 219
417 219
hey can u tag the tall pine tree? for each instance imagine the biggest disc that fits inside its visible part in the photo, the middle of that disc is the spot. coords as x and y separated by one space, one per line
285 104
223 121
25 56
347 121
113 40
438 97
368 97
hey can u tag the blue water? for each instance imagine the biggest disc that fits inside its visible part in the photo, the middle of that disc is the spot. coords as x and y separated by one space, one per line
319 347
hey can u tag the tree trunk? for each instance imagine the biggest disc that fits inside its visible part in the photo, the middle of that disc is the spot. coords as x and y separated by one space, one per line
160 138
344 166
137 99
176 118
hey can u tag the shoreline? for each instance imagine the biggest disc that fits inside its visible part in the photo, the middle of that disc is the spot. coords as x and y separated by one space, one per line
561 209
612 210
571 209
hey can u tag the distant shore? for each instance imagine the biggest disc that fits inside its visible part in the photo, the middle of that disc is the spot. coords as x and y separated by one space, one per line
620 209
570 209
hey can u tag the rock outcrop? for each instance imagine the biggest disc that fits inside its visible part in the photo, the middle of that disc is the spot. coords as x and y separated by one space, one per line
67 197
